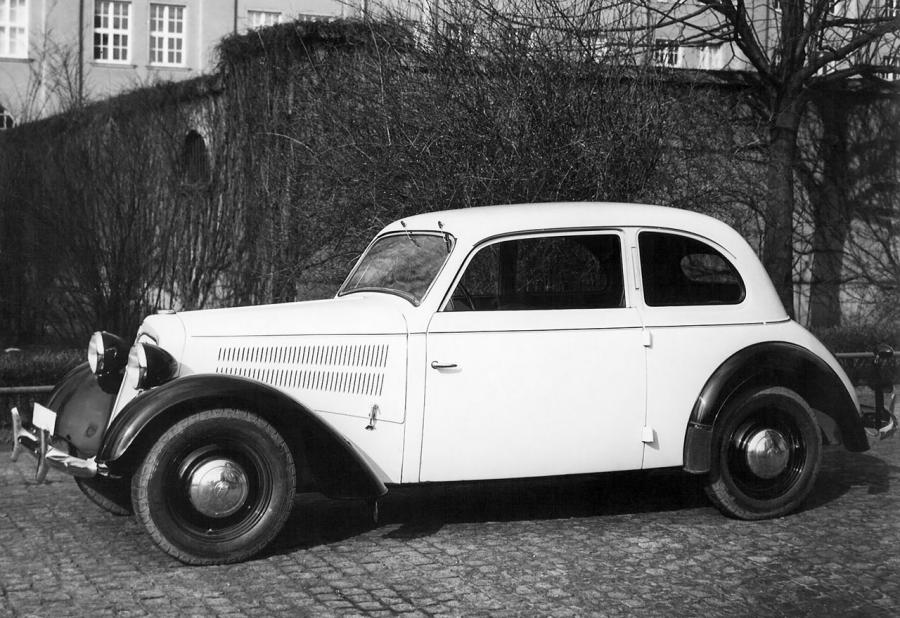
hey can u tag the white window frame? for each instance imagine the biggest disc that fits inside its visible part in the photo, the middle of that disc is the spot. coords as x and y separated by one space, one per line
667 53
166 42
106 10
261 19
890 60
13 28
890 8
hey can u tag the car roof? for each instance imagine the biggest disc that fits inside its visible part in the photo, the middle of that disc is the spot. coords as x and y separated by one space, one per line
476 223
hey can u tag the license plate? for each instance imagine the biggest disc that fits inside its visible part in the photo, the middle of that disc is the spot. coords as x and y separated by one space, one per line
44 418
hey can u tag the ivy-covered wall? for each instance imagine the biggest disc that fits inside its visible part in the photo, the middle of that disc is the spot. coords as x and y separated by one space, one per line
263 182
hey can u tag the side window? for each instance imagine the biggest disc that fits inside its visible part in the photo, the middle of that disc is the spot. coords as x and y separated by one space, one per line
555 272
678 271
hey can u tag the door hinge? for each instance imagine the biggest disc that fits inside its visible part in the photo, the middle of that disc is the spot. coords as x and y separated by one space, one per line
647 338
648 436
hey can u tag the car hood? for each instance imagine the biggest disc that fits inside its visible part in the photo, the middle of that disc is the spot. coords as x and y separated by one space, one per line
355 314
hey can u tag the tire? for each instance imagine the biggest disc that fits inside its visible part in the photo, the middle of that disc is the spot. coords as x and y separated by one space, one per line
111 495
216 487
767 449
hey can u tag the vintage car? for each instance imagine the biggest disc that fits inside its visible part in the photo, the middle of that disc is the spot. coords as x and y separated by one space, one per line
486 343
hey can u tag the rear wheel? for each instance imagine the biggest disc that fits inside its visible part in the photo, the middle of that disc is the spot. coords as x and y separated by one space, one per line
216 487
766 454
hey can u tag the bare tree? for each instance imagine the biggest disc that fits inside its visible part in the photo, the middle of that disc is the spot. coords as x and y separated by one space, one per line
335 131
849 170
793 49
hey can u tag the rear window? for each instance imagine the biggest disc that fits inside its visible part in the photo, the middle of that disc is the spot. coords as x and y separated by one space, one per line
678 271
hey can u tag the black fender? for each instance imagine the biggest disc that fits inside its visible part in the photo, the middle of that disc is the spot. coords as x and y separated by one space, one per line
82 409
775 363
339 469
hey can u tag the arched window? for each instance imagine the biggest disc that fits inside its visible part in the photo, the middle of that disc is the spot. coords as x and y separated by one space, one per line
195 159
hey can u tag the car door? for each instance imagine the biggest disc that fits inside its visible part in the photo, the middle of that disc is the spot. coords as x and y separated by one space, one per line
695 315
535 363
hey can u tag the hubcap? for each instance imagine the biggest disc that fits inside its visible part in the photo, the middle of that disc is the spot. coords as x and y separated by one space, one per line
767 453
218 487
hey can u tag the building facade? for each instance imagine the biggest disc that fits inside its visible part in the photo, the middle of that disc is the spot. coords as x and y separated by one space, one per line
55 54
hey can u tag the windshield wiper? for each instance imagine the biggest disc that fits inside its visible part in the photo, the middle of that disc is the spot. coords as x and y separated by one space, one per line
408 235
446 234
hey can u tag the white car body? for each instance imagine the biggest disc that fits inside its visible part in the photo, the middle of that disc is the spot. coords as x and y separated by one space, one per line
534 393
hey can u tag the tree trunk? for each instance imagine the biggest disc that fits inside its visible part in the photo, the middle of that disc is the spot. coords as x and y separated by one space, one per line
831 218
778 253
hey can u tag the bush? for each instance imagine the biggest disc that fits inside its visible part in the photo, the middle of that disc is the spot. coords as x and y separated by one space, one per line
859 338
37 366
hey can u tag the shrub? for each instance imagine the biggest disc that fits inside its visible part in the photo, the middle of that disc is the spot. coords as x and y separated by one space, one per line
37 366
859 338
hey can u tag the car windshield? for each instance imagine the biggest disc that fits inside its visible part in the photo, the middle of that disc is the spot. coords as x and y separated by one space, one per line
404 264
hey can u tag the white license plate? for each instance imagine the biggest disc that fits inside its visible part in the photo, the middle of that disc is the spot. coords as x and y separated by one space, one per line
44 418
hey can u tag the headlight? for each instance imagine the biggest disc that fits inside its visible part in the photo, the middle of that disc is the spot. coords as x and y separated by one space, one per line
148 366
107 354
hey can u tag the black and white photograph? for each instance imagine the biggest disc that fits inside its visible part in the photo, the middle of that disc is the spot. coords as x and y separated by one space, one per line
449 308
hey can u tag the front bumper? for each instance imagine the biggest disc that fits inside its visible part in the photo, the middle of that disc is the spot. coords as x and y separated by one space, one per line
882 424
35 437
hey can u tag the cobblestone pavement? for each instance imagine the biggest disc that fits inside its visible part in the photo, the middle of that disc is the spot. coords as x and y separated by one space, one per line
624 544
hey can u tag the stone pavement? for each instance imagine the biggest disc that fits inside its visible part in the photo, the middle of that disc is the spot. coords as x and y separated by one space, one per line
623 544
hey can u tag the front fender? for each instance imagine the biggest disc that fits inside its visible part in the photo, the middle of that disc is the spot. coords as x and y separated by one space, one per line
82 410
771 364
339 468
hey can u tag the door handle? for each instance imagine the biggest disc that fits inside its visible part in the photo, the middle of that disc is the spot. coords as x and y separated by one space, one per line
437 365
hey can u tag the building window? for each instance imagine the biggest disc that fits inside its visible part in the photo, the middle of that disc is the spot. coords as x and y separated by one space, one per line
712 57
167 34
597 46
517 38
314 17
112 24
666 53
891 8
458 36
890 61
261 19
6 119
13 28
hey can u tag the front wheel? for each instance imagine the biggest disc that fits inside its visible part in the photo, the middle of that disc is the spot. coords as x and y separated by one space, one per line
766 453
216 487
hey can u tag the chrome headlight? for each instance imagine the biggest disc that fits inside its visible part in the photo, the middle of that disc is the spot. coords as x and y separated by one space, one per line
107 354
148 366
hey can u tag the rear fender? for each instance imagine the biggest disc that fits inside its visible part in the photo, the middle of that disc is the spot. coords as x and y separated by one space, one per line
773 364
338 467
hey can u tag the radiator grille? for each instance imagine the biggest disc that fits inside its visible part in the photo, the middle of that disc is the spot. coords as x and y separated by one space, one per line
354 369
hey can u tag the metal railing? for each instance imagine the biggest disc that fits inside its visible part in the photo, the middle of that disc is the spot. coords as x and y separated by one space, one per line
879 371
20 396
6 391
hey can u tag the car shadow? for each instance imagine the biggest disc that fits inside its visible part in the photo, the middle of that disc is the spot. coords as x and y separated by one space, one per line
842 470
412 512
418 511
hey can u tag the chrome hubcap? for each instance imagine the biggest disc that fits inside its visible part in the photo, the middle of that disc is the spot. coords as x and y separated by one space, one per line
767 453
218 487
